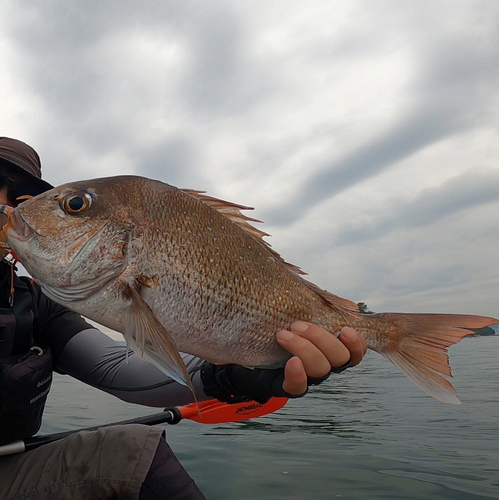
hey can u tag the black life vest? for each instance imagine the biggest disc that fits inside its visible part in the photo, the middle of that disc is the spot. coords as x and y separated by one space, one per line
25 367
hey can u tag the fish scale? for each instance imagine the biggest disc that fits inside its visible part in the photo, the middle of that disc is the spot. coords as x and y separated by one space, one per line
178 270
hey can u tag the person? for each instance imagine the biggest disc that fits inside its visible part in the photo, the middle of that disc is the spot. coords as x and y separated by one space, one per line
38 337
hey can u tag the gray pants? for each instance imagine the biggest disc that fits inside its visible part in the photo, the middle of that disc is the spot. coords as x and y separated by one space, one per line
111 462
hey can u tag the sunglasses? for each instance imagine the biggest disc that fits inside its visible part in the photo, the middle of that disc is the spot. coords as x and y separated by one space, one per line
17 191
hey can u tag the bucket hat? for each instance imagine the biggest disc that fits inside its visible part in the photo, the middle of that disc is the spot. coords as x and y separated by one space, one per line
21 163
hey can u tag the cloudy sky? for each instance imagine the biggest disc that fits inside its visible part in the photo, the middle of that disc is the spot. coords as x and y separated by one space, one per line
366 134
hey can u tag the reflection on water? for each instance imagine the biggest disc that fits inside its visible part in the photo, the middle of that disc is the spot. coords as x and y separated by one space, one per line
366 433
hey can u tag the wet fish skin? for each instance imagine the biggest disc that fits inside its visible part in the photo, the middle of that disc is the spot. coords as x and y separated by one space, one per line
176 270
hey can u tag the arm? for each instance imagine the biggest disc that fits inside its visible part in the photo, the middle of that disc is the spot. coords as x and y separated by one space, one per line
97 360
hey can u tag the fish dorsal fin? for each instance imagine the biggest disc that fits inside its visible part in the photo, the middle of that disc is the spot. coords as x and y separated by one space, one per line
233 212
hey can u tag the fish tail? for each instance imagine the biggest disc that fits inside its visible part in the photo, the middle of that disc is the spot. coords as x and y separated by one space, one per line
417 345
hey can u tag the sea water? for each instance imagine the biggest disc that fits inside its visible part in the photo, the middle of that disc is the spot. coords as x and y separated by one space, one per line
367 433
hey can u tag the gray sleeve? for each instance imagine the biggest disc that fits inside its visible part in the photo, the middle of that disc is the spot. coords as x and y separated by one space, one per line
97 360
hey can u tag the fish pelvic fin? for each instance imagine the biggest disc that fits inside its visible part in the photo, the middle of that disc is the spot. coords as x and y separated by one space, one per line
151 341
417 345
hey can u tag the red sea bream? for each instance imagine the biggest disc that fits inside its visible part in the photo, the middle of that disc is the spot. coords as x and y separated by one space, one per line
175 270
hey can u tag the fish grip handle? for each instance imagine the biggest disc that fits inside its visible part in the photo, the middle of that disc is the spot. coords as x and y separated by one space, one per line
236 384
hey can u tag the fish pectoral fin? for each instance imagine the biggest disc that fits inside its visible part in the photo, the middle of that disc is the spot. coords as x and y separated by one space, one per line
148 337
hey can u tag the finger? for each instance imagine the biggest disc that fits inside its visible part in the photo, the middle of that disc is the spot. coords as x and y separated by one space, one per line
295 377
335 351
316 362
355 343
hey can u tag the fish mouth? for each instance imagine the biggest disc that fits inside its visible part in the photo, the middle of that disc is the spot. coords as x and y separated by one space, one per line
17 228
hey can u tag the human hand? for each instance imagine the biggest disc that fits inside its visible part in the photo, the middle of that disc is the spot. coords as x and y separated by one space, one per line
316 353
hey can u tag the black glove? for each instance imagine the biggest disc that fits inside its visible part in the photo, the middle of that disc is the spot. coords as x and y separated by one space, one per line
236 384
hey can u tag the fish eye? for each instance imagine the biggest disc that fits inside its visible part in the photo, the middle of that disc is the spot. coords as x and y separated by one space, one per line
76 203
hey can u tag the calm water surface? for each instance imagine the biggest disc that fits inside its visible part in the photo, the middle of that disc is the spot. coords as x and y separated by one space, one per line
367 433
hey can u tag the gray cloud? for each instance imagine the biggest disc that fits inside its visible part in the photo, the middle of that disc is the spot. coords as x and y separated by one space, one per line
212 79
466 191
169 161
68 58
403 139
454 89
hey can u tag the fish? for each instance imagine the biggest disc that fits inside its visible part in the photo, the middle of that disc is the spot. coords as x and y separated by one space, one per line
175 270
